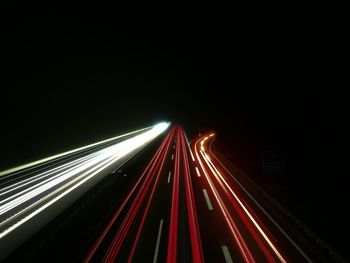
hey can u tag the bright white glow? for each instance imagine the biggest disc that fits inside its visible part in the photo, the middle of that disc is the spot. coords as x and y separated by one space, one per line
34 194
160 127
39 177
28 165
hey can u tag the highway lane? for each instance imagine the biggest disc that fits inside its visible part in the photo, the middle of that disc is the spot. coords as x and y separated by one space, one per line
260 230
77 227
122 233
246 243
31 201
198 218
160 224
298 242
188 205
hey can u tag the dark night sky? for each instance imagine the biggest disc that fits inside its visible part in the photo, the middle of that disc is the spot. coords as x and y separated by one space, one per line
258 79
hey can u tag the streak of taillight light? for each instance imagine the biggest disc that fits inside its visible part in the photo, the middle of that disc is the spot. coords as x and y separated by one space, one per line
196 244
173 231
123 230
145 213
150 166
245 220
264 235
244 250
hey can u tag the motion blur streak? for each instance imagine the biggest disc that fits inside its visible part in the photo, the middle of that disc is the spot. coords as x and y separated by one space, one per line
244 250
45 160
237 201
148 203
65 167
174 214
50 186
145 180
126 228
133 210
216 172
196 244
264 211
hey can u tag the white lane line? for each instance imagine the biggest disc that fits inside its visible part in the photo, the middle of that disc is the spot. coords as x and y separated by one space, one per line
158 241
172 157
169 176
188 144
198 173
174 146
124 175
227 254
210 207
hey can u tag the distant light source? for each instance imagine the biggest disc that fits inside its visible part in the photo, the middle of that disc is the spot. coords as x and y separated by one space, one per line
162 126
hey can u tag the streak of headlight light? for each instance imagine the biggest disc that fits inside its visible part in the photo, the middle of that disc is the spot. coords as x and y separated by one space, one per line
121 148
215 171
160 127
37 211
66 175
89 158
157 128
40 176
24 166
44 187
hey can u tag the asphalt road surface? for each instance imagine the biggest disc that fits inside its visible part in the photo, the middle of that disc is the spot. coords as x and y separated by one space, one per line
164 199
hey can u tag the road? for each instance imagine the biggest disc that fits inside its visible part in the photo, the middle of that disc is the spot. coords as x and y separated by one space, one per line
177 201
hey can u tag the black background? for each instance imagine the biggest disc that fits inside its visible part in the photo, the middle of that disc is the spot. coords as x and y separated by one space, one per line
263 79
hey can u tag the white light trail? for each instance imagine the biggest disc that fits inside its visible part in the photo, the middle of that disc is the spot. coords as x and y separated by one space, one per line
38 162
32 195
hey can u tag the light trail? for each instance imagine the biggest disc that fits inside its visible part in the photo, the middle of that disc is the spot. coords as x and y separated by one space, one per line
123 230
35 164
194 175
32 196
116 215
264 235
264 211
196 243
145 213
174 211
48 174
223 183
252 232
243 247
